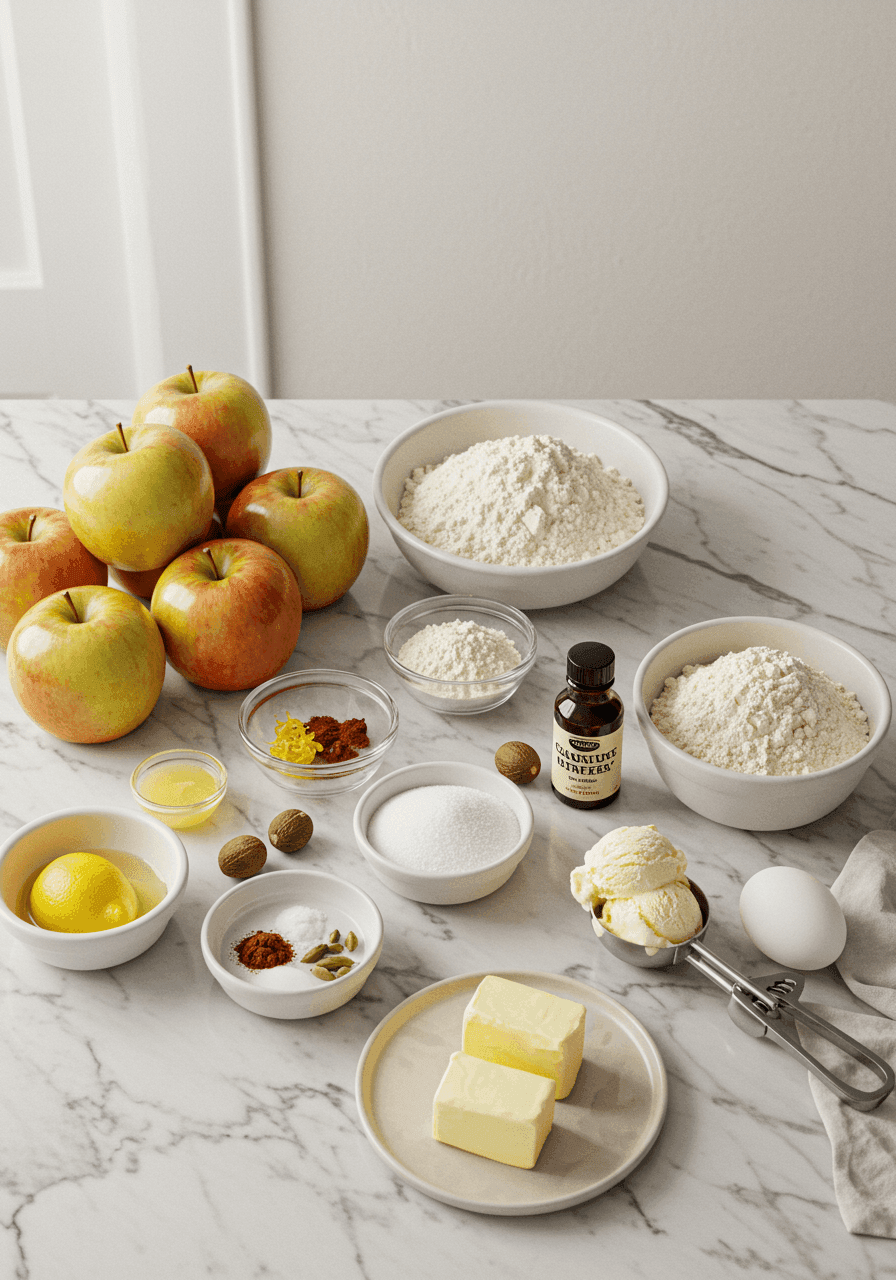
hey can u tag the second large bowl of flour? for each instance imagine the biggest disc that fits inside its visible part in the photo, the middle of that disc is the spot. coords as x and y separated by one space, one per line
749 801
454 430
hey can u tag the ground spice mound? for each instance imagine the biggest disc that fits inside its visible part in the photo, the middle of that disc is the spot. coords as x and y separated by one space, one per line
341 740
261 950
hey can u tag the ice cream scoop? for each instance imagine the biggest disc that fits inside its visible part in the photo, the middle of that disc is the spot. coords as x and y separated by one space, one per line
636 876
769 1005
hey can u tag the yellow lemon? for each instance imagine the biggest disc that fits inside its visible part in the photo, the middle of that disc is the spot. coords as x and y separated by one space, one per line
82 893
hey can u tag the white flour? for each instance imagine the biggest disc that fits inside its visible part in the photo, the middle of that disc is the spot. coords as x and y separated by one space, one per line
761 711
523 500
460 651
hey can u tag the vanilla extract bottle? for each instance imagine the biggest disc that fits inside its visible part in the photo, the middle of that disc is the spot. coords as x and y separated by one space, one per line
586 756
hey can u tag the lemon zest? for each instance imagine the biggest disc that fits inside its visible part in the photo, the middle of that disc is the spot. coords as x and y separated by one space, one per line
293 742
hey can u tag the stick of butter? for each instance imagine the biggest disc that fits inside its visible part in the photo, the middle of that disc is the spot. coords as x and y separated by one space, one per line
519 1026
493 1111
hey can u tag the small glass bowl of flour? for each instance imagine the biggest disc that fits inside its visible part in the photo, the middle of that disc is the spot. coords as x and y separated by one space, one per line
460 655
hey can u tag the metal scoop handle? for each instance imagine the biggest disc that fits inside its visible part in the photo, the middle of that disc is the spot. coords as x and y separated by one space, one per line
770 1006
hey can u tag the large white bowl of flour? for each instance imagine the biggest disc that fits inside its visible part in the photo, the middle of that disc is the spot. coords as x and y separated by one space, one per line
526 586
757 801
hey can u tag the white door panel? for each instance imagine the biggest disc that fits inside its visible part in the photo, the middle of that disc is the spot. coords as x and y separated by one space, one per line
129 227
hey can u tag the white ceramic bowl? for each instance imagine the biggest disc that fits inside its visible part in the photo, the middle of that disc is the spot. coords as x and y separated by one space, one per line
303 694
77 830
437 887
290 991
454 430
461 697
754 802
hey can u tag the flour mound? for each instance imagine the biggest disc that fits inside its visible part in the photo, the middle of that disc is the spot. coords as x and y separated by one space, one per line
761 711
459 651
522 500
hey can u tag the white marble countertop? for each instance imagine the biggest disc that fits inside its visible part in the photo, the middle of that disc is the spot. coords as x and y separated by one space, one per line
153 1128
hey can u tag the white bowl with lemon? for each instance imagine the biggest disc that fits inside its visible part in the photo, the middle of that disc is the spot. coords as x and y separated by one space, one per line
90 888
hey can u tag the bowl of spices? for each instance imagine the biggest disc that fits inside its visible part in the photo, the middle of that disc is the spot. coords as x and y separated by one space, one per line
318 733
444 831
460 655
535 504
292 944
763 724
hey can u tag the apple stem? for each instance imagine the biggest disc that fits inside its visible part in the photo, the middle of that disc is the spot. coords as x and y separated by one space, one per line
121 433
299 475
31 525
192 376
71 605
214 566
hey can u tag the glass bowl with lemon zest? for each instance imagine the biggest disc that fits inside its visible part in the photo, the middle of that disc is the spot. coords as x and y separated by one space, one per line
318 733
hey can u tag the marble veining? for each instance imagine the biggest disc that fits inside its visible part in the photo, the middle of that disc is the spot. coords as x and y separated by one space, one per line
151 1127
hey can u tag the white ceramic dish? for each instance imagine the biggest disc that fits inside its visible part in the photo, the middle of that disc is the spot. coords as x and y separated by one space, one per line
302 694
753 802
605 1127
454 430
443 888
461 697
290 991
73 830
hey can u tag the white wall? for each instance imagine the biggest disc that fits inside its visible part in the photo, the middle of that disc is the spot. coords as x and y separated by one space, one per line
579 198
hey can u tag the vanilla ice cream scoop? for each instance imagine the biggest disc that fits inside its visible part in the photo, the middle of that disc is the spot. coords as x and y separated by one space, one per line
635 879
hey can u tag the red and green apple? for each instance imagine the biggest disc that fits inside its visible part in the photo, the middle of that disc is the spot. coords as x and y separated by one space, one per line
223 414
87 664
137 496
315 520
39 554
229 612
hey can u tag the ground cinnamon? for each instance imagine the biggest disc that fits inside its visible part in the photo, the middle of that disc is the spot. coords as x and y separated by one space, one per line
341 740
261 950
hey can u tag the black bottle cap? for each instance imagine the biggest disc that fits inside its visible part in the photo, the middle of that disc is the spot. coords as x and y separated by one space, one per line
591 665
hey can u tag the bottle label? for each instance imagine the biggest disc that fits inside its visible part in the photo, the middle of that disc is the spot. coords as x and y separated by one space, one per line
586 768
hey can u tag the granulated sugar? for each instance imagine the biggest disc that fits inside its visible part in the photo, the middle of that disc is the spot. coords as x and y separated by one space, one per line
761 711
443 828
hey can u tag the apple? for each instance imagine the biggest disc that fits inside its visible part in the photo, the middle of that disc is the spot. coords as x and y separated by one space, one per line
39 554
225 416
143 584
137 497
229 612
87 664
315 520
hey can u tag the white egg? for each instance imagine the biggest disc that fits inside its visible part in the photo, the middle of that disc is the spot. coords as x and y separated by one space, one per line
792 918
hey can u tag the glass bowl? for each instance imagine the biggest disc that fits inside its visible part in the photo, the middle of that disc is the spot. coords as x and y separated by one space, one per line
158 774
461 697
303 694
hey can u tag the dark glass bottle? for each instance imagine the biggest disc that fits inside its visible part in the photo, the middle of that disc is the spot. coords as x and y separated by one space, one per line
586 758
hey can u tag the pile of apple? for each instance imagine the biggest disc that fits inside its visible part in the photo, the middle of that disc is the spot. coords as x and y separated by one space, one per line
175 507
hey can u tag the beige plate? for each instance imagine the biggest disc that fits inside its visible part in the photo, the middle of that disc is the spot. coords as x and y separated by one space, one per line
603 1129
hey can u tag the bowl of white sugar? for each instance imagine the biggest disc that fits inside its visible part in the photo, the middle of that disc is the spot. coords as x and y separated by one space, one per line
760 723
443 832
460 655
533 504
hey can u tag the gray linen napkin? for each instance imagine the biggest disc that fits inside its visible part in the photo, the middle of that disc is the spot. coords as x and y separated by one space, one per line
863 1143
866 890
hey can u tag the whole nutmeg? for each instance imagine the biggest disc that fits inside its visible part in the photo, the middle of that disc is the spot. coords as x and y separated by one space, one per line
518 761
242 857
290 831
